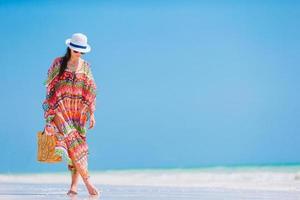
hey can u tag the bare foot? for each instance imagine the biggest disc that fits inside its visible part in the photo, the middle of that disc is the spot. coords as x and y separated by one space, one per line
74 184
71 193
90 187
73 190
92 190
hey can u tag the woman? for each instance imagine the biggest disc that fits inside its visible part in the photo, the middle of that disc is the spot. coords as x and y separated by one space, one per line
69 104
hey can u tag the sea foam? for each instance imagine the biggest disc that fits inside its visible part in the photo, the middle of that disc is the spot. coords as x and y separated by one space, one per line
269 178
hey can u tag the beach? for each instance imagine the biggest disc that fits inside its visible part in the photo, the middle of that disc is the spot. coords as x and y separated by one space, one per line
274 183
109 192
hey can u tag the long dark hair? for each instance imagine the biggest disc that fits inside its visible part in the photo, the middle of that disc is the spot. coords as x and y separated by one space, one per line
64 61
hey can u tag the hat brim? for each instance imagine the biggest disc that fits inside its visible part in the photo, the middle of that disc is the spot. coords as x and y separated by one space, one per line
86 50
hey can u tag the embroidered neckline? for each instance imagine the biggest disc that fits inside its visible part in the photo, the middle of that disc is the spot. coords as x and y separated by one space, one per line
79 68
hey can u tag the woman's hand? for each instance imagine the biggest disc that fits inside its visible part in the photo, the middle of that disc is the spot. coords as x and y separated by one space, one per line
92 121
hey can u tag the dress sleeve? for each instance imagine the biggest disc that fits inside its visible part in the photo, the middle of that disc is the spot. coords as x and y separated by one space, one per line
53 71
92 91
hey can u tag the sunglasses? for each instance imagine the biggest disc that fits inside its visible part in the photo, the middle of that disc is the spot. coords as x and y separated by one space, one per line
77 52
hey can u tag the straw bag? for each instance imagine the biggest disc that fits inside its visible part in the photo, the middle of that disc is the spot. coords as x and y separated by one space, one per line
46 148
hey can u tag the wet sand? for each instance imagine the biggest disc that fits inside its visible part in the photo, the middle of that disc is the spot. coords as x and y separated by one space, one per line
24 191
211 184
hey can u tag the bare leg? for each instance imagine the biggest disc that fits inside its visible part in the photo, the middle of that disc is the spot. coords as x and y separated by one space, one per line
86 179
74 183
90 187
75 174
83 173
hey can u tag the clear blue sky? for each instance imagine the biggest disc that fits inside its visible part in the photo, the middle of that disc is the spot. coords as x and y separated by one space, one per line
180 84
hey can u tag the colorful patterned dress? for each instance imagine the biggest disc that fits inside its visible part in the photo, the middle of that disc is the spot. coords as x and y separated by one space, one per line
70 101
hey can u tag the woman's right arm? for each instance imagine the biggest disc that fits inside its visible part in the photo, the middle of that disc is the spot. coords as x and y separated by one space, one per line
49 112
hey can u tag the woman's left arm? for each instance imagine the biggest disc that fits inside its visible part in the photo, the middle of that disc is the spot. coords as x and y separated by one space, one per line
92 93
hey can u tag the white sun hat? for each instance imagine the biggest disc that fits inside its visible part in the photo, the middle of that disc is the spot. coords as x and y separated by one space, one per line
78 42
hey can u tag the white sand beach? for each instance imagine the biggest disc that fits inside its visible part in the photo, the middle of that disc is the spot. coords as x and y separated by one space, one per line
219 183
